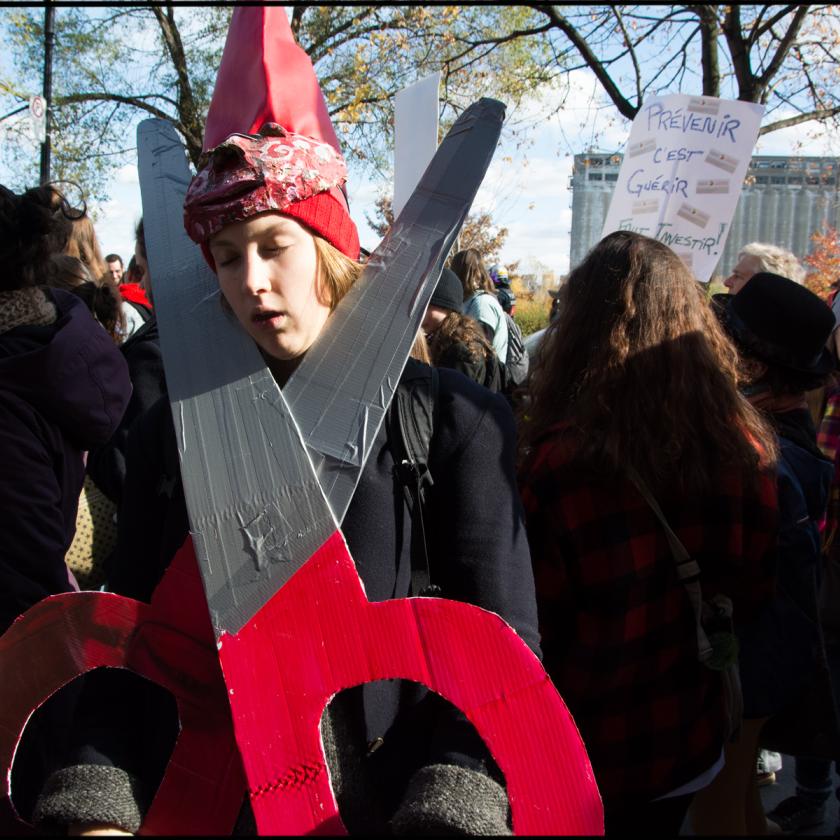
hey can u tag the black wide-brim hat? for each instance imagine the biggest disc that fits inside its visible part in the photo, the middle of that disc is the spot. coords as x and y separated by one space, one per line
779 322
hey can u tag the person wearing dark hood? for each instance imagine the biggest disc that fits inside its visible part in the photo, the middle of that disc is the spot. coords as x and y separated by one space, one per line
455 340
780 329
63 388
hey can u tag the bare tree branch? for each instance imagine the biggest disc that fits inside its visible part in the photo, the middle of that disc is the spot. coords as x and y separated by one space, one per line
624 107
758 31
820 114
709 31
503 39
739 53
784 48
134 101
313 49
187 110
637 72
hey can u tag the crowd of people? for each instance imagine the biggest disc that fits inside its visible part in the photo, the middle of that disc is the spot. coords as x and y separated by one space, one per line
648 556
651 502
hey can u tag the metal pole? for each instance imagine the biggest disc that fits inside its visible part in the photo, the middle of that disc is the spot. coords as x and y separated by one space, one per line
49 41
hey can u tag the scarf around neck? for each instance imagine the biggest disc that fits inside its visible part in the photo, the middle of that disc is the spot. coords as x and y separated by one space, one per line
26 307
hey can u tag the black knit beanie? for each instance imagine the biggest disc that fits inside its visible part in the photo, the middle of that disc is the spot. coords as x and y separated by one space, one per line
449 293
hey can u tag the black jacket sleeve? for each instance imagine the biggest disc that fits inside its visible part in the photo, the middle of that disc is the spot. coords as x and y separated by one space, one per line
32 519
107 463
477 521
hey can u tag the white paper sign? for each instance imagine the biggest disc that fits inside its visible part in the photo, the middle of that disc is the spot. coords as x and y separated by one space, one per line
38 117
415 136
683 168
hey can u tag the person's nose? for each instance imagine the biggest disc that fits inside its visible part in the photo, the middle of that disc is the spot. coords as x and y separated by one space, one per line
256 278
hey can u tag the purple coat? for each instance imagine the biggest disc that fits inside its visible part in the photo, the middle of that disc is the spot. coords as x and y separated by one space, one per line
63 390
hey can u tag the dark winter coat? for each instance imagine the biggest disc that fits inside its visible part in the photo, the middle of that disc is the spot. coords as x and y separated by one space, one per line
478 551
485 370
781 649
106 463
63 390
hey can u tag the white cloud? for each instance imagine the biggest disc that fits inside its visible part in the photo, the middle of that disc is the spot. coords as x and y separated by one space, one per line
117 217
127 174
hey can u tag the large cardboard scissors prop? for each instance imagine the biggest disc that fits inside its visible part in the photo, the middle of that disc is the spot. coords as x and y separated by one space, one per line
268 476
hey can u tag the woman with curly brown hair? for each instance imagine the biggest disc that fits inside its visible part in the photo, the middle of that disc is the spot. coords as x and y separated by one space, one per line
455 340
635 401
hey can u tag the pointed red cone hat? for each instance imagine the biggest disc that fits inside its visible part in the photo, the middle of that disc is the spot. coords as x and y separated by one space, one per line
265 77
269 141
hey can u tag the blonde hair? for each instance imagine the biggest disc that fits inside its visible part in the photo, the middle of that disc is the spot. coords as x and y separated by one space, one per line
774 259
84 246
336 271
420 349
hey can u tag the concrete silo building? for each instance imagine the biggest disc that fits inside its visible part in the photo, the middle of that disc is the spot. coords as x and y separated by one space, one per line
784 200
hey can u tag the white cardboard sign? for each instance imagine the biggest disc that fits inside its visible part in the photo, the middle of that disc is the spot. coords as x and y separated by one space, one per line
683 168
415 136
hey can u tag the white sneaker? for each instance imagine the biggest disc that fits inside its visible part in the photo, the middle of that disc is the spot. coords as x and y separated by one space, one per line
769 762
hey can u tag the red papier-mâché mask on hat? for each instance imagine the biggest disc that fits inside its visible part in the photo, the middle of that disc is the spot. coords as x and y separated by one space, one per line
254 173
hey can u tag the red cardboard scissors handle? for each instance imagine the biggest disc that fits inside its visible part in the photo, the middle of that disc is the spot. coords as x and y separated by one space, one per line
319 634
170 642
316 637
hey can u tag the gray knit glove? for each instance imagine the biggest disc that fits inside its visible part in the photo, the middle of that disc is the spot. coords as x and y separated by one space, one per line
89 793
445 799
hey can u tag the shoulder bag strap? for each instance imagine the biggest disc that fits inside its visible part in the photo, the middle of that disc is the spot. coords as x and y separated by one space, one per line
688 571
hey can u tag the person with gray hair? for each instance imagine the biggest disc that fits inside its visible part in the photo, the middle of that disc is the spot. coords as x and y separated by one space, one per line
761 256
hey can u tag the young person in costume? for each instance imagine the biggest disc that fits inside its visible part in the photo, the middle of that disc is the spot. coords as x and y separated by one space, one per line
636 386
268 210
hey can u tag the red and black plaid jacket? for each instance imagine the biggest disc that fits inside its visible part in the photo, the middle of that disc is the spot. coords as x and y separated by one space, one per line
618 631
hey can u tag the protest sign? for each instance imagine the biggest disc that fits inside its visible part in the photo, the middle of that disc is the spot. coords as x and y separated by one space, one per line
415 136
682 172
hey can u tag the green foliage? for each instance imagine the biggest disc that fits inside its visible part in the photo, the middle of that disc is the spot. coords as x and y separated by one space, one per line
113 66
531 315
110 70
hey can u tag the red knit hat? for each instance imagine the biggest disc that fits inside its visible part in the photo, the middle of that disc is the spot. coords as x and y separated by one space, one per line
273 149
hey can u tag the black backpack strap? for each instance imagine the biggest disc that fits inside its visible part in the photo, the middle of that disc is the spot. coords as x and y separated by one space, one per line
143 311
411 421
